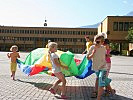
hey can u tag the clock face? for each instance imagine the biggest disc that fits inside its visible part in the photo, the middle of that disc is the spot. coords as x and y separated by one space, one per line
45 24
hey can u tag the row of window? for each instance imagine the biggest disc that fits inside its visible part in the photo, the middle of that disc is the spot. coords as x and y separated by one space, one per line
32 47
42 39
47 32
122 26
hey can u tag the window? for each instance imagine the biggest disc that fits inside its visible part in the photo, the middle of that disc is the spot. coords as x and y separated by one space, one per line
2 30
131 24
120 26
79 33
7 31
43 32
126 26
115 26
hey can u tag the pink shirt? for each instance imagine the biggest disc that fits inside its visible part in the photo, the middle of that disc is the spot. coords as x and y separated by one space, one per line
108 60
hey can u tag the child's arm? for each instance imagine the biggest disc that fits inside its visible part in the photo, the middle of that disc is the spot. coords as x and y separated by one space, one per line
89 56
84 51
91 52
56 61
18 55
8 55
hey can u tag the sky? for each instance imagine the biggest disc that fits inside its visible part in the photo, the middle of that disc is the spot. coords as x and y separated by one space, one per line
60 13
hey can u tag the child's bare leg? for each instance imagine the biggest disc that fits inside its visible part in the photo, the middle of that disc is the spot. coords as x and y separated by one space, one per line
94 93
63 86
56 84
109 88
13 75
53 87
100 91
96 85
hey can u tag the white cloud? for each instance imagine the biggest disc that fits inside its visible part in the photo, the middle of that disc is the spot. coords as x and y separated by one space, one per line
125 2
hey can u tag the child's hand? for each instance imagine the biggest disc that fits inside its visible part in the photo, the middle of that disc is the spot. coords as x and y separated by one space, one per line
65 67
8 55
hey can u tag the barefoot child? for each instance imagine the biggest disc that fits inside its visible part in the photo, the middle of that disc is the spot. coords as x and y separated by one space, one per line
98 53
57 70
14 55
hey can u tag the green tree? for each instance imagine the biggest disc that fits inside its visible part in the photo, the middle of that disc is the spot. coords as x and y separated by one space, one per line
130 35
114 46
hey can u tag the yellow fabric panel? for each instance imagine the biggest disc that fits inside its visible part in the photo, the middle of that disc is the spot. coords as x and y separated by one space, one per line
45 59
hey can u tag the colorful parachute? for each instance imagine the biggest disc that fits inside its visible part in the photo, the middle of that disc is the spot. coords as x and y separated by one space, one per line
38 61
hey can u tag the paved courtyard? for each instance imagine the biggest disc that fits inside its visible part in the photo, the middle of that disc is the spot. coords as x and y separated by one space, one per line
36 87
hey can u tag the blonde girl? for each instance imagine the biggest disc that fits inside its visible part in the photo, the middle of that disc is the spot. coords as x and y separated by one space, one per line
56 69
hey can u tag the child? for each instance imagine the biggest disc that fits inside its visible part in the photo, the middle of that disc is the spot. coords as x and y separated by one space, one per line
98 53
108 60
88 44
14 55
52 46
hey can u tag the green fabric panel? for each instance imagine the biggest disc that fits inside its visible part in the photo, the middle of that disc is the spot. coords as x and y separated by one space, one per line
73 67
34 56
68 59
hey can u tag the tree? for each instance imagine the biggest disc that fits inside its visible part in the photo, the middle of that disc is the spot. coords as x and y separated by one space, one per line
114 46
130 35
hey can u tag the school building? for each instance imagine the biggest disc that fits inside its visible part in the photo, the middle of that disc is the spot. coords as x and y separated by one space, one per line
117 28
30 38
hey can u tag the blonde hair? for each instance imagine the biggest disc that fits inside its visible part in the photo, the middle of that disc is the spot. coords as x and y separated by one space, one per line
14 46
52 45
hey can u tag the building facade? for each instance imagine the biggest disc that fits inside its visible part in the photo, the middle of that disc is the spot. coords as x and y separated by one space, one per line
29 38
117 29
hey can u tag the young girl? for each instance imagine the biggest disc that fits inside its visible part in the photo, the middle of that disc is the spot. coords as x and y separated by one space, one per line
108 63
14 55
108 60
56 69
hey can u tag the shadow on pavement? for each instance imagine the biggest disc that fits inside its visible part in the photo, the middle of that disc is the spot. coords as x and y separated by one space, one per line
121 73
76 92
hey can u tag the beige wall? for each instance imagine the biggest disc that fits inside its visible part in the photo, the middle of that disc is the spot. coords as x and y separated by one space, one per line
61 33
108 27
130 46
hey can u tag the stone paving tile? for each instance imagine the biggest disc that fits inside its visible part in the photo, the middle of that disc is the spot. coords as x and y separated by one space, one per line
36 87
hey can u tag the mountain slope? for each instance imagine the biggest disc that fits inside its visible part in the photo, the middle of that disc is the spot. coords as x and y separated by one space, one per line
90 26
129 14
96 25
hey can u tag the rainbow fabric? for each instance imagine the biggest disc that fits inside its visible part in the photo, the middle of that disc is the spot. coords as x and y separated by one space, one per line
38 62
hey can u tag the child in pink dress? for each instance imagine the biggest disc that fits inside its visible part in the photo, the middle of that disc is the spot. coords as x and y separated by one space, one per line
108 60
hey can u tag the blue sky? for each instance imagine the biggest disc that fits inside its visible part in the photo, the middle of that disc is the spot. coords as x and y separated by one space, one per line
60 13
